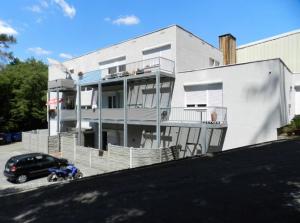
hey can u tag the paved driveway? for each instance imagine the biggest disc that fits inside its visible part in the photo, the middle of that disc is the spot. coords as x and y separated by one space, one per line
6 187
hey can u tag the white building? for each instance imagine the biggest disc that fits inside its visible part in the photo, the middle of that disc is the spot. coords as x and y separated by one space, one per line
285 46
203 105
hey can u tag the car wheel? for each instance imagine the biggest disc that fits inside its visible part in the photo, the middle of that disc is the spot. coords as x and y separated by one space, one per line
22 179
52 177
78 175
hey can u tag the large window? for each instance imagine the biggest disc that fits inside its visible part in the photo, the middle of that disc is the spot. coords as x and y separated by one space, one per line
203 95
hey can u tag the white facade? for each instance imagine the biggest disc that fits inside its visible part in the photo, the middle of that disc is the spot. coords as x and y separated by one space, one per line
175 43
254 94
285 46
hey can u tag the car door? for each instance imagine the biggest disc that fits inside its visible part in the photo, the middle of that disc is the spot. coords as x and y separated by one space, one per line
28 166
46 162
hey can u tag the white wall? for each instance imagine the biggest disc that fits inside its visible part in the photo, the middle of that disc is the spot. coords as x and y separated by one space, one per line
193 53
132 49
252 94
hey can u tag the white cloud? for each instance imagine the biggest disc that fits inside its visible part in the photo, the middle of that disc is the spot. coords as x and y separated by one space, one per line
44 4
7 29
65 56
39 51
68 10
35 8
38 8
127 20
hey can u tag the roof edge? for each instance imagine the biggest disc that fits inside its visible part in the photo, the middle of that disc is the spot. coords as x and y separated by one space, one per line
237 64
269 39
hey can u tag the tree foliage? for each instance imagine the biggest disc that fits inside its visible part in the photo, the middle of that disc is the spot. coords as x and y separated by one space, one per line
5 41
23 89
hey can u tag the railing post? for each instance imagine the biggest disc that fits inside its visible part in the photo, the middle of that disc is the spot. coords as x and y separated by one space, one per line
79 112
125 111
99 115
158 108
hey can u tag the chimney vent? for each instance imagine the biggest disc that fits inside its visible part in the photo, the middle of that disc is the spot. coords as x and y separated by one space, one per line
227 44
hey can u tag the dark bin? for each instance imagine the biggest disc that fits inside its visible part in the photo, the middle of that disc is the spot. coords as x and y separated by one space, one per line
16 136
7 137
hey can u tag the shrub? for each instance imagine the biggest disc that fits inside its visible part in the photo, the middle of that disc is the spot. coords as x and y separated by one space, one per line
296 121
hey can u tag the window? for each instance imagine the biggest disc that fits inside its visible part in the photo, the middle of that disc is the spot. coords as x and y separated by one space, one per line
112 70
203 95
213 62
112 102
122 68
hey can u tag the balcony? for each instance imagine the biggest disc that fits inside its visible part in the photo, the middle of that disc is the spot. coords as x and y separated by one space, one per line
68 115
140 68
168 116
61 84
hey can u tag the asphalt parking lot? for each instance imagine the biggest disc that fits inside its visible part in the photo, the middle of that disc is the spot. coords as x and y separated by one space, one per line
6 187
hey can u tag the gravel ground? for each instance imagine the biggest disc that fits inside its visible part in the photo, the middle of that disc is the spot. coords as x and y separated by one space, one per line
6 187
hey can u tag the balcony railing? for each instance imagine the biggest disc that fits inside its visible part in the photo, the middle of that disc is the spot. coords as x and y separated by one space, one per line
209 115
212 115
140 67
68 114
61 83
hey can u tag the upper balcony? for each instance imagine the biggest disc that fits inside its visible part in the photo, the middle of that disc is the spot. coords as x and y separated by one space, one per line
61 84
140 69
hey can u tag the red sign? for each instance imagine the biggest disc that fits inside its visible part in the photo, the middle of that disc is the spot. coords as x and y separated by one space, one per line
53 101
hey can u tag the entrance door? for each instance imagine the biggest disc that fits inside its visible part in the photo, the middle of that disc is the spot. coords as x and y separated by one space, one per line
104 140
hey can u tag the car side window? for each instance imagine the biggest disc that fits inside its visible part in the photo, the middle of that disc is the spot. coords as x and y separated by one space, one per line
49 159
28 161
39 158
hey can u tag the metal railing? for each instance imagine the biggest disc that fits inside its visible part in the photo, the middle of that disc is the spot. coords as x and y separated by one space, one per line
141 67
217 115
209 115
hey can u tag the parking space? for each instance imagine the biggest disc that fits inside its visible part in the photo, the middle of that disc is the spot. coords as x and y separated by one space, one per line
7 151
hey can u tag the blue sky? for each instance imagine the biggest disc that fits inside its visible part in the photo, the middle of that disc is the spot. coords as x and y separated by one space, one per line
60 29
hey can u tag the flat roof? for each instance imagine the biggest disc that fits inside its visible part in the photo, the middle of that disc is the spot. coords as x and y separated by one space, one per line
269 39
237 64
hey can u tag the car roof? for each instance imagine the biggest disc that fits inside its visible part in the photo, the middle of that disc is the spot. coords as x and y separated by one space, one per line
18 157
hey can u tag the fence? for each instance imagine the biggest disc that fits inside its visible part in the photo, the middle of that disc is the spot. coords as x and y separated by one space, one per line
39 141
116 157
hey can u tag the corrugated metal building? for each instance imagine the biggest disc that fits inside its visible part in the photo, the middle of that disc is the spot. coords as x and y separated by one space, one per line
285 46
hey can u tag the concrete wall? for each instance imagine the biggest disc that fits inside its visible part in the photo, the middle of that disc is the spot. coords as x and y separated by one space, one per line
286 47
35 141
254 94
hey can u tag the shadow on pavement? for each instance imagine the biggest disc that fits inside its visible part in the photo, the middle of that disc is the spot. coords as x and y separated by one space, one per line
252 184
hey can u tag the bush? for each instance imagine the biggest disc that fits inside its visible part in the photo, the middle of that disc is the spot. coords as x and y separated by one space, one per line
296 121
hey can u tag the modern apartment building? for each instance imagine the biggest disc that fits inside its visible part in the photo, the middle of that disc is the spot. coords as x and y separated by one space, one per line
169 88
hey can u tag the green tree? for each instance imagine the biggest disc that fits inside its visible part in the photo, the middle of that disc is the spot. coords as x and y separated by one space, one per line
23 89
5 41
